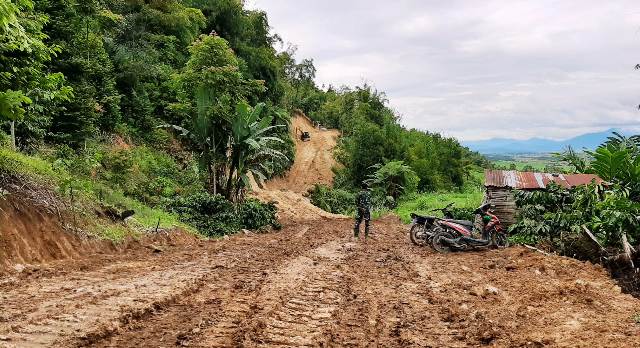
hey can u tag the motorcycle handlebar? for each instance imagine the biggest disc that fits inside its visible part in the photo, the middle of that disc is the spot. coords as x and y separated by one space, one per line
445 208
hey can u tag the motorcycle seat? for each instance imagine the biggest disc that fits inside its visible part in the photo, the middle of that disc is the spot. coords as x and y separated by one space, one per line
460 222
422 218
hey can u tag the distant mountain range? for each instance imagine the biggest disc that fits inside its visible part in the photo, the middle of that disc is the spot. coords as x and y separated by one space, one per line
499 146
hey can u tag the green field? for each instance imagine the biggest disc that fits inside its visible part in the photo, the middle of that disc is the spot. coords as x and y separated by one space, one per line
520 165
524 164
469 197
423 203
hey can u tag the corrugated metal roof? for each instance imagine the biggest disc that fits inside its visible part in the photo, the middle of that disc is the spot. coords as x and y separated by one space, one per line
531 180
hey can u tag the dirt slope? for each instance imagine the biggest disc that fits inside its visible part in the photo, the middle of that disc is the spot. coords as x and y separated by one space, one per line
314 158
313 163
310 285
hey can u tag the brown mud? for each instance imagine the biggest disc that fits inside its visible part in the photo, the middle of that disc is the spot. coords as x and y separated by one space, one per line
314 158
312 285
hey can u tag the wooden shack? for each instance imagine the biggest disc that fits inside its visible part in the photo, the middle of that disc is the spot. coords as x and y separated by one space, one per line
500 184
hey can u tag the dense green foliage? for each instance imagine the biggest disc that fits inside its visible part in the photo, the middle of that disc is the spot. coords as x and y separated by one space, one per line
394 179
156 101
335 201
75 71
611 211
198 210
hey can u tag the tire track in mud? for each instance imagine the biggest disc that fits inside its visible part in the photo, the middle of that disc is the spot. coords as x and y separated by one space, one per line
219 314
93 304
300 302
309 286
387 302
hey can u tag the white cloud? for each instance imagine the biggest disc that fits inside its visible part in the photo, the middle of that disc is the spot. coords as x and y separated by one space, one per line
478 69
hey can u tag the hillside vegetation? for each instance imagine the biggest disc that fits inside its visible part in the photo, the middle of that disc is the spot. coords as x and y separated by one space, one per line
172 106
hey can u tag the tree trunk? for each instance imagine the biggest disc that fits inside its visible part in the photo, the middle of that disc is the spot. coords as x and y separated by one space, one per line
229 189
628 250
212 179
215 181
13 135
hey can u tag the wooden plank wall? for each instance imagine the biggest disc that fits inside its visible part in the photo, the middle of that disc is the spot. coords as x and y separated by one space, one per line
504 204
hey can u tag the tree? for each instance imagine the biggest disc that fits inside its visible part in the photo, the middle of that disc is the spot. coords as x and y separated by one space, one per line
301 76
27 90
249 35
249 148
82 31
230 138
395 178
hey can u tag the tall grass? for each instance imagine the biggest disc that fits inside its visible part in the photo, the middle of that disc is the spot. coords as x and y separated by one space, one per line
470 196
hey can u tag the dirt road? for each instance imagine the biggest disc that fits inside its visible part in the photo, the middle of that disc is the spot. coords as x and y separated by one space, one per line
313 161
310 285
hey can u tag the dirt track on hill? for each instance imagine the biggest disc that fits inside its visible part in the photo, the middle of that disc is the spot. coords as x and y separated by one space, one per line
311 285
314 158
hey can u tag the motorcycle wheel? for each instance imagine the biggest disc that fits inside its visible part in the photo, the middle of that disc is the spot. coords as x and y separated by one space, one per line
439 245
418 235
502 241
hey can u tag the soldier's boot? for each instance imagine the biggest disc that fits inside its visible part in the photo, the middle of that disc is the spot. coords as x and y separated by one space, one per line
366 230
356 232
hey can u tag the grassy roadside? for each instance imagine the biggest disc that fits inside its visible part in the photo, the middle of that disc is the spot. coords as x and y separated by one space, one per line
88 196
469 197
423 203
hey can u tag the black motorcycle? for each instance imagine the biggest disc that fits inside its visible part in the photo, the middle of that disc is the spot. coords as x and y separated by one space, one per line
423 228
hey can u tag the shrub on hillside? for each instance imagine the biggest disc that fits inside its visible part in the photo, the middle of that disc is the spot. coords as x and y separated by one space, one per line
141 172
213 215
394 178
335 201
5 139
255 215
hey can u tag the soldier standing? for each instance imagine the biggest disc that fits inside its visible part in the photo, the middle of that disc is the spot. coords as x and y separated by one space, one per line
363 211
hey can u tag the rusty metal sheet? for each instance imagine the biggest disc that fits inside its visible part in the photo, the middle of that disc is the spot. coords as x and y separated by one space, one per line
534 180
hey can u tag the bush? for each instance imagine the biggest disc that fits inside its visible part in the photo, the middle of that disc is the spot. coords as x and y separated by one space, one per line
213 215
141 172
5 139
256 215
335 201
395 178
463 213
557 217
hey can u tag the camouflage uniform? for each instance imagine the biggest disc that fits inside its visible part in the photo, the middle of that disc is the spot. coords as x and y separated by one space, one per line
363 203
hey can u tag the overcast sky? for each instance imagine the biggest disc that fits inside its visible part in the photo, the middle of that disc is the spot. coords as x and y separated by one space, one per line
478 69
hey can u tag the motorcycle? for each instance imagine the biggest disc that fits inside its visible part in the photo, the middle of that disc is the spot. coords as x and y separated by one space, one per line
459 236
424 227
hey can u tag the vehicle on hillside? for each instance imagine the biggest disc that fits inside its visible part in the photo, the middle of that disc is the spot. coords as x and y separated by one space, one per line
304 136
458 235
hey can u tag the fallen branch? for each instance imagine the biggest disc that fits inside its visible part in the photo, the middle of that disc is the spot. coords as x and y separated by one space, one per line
592 237
536 249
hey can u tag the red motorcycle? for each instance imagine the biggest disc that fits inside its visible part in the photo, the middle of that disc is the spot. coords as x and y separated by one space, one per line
458 235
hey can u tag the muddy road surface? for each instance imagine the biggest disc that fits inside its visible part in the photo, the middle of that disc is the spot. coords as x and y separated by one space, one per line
311 285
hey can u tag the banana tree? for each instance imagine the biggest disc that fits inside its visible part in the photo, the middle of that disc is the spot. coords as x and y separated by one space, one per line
249 148
206 137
